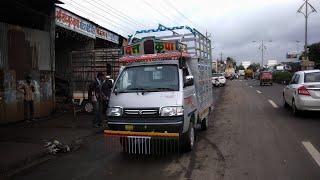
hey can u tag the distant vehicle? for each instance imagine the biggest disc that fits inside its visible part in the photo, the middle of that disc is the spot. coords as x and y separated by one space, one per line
229 73
257 75
235 76
241 73
265 78
248 73
303 92
218 79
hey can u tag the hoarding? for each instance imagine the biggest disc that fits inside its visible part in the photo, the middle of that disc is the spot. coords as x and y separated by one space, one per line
292 55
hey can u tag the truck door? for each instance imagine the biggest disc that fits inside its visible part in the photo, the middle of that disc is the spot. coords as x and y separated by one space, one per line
190 103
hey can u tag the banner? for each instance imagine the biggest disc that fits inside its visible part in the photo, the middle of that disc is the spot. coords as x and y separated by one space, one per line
72 22
106 35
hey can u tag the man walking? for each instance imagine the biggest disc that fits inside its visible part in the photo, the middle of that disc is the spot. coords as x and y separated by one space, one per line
97 98
28 90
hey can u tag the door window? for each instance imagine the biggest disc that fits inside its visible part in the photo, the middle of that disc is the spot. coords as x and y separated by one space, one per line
295 79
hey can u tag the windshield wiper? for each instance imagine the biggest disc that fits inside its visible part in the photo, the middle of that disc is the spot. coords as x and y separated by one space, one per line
160 89
130 90
136 89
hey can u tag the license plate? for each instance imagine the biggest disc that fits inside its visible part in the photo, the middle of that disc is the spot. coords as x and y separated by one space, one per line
128 127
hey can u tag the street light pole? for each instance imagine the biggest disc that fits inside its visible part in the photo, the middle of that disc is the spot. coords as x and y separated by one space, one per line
306 15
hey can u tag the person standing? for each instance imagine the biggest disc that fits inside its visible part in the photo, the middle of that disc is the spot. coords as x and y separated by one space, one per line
106 89
97 98
28 90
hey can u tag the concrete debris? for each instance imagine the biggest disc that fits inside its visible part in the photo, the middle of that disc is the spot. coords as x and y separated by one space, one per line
55 146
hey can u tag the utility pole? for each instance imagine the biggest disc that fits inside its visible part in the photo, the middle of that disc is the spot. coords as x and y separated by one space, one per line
298 49
306 14
297 46
262 47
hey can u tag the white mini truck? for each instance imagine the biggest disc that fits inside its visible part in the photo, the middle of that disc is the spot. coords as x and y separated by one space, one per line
162 94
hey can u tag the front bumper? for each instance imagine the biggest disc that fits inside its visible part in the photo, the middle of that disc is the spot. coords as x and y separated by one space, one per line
156 124
307 103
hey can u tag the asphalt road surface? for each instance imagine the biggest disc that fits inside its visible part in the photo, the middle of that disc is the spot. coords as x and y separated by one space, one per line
251 136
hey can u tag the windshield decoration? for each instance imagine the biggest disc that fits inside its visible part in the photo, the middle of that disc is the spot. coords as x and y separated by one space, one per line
154 57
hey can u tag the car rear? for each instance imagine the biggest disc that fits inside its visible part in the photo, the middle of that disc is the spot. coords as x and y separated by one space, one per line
222 79
308 94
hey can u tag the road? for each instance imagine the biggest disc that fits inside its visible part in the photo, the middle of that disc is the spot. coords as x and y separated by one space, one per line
250 137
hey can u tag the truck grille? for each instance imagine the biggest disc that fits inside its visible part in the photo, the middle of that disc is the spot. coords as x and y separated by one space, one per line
141 112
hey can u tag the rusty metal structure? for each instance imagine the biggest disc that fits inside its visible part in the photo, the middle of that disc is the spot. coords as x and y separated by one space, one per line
85 66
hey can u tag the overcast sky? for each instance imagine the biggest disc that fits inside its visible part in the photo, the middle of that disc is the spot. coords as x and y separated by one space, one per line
234 24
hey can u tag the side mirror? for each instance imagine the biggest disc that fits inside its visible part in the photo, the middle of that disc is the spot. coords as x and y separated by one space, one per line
188 81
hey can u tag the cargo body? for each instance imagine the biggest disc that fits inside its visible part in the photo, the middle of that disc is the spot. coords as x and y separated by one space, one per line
165 91
265 78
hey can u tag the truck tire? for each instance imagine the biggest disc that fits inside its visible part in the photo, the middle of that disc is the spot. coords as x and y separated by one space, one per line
188 139
205 124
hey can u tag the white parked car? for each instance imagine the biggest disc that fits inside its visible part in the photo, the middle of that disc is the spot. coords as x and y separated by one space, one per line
218 79
303 92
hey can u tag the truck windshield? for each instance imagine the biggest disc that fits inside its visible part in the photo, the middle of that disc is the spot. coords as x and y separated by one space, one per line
148 78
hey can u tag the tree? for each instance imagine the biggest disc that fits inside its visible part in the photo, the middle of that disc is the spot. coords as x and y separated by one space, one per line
254 67
314 53
240 67
231 61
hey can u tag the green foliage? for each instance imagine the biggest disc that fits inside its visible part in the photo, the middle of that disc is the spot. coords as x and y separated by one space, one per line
314 53
281 76
254 66
240 67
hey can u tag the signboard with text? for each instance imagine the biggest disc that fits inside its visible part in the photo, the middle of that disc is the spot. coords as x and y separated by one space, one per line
292 55
106 35
150 46
72 22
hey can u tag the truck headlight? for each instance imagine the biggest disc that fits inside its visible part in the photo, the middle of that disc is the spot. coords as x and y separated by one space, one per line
171 111
114 111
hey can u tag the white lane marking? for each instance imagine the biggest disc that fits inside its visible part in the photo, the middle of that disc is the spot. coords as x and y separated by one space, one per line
312 151
259 92
240 80
250 86
273 103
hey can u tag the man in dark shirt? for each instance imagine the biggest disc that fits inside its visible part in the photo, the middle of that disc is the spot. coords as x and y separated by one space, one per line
98 98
